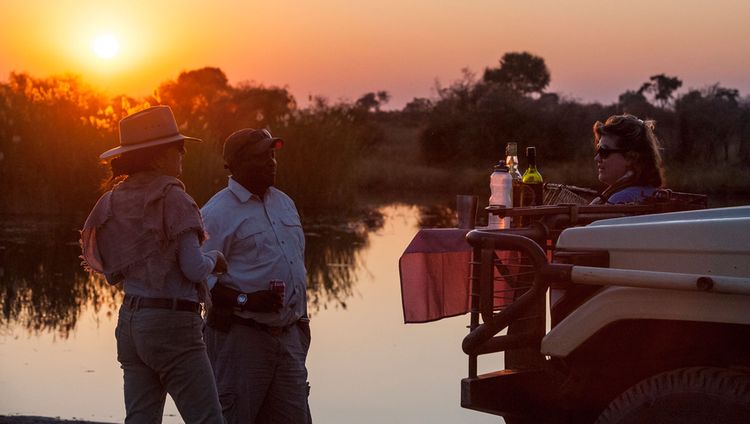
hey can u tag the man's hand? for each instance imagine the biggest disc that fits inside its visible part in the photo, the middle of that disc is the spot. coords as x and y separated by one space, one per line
259 301
263 301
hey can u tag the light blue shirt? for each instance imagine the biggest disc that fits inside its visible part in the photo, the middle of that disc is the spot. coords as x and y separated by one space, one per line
262 240
632 194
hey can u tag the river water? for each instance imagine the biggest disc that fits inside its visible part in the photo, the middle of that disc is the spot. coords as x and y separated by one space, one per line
57 347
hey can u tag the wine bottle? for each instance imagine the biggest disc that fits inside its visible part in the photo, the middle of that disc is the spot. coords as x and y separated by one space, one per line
533 182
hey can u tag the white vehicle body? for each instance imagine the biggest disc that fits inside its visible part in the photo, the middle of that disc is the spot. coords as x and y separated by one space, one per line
655 262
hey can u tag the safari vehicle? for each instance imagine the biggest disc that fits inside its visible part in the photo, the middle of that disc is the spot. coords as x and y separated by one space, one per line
613 314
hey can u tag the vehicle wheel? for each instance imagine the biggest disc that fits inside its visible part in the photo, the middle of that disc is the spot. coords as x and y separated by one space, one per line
687 395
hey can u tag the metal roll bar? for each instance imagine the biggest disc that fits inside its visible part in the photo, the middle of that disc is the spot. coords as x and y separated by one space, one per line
482 338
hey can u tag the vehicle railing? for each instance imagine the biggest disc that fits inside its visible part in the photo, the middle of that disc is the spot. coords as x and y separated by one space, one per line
483 338
654 280
532 243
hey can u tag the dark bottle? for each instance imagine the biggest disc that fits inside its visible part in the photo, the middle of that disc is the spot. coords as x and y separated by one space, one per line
533 193
278 287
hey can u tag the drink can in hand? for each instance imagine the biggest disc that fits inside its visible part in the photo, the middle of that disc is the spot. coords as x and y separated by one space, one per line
277 286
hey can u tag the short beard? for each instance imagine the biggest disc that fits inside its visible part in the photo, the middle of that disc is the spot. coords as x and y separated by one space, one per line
259 187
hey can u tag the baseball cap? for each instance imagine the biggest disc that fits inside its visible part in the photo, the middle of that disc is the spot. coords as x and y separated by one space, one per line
249 141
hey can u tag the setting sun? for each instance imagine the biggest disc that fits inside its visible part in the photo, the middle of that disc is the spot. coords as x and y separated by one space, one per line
105 46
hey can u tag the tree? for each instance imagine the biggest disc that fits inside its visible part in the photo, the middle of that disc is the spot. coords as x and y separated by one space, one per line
709 122
418 110
60 119
373 101
258 106
523 72
662 87
634 103
196 97
419 105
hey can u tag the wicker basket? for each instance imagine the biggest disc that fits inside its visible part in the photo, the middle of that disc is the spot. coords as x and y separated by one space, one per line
559 194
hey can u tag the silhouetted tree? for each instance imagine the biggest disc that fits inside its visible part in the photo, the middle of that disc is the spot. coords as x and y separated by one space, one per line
522 72
417 110
418 105
743 154
51 132
373 100
258 106
708 119
197 98
726 106
634 103
662 88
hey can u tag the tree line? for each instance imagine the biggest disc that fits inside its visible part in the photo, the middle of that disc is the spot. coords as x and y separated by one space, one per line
53 129
473 118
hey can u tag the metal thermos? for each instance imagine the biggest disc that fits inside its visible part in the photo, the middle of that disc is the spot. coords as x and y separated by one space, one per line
501 193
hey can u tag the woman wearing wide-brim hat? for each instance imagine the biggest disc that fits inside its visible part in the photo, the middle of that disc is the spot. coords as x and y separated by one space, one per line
146 233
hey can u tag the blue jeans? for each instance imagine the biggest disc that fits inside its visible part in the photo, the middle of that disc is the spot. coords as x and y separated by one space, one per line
261 377
162 351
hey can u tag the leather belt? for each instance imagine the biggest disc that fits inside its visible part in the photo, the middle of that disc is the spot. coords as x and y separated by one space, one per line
137 302
249 322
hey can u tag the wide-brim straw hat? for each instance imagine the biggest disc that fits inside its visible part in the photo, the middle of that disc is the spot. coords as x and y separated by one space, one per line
148 128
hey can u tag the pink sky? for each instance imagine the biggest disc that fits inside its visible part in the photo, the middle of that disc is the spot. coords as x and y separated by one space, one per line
595 50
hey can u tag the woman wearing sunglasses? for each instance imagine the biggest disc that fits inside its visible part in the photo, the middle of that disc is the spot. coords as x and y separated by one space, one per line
627 159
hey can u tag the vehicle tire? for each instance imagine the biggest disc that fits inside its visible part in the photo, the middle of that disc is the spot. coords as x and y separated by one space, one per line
687 395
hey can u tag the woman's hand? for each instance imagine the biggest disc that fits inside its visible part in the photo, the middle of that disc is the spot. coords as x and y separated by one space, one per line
221 264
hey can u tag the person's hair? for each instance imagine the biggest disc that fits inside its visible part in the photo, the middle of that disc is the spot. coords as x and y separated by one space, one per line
130 163
641 144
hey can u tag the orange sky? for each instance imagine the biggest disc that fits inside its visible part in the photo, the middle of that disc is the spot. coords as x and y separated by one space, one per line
341 49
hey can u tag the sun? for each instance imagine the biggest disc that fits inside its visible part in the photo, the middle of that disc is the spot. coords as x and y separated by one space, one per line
105 46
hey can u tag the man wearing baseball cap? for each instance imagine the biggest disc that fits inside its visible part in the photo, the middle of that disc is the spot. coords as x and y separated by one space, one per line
257 337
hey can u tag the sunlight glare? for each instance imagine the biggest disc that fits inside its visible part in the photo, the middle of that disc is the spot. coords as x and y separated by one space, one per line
106 46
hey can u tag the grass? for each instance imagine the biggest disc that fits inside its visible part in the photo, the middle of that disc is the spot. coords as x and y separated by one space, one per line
395 167
726 180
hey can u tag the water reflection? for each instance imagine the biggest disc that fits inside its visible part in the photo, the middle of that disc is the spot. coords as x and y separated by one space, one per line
412 371
333 253
437 216
43 288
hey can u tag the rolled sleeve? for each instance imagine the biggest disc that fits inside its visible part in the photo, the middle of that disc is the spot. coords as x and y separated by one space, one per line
195 264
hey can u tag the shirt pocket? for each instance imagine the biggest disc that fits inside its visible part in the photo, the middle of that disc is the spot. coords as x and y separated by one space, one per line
293 232
249 240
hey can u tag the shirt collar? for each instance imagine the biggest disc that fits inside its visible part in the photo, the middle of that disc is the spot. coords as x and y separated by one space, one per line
243 194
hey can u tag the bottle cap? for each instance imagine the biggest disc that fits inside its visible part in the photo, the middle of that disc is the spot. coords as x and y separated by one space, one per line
501 167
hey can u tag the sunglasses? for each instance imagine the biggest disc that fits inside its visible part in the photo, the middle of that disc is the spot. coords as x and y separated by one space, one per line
604 152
